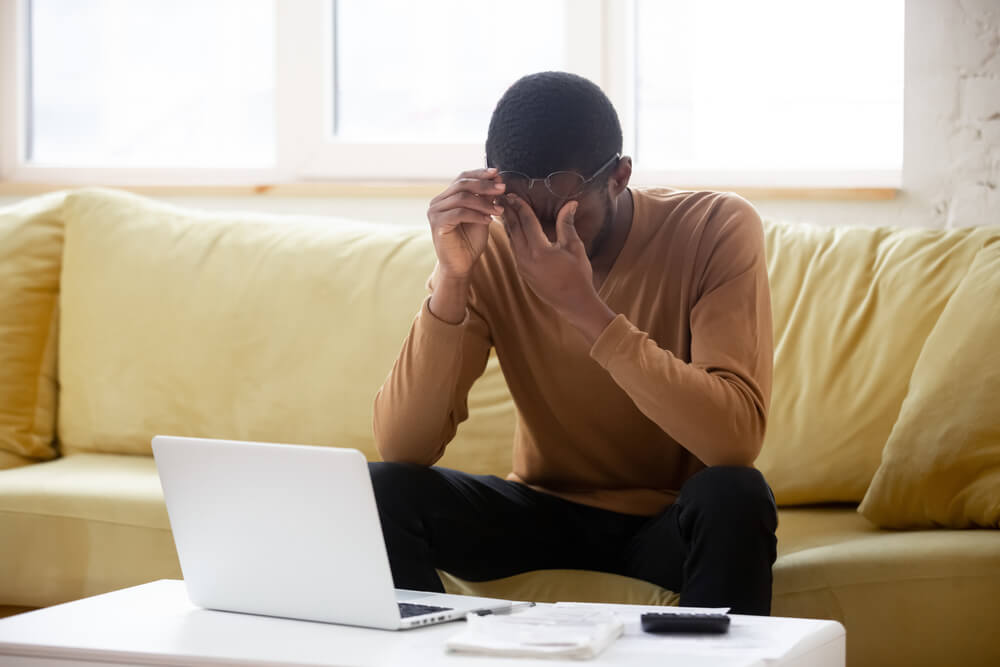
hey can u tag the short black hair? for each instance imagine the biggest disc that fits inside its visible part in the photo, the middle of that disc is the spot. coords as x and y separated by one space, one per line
551 121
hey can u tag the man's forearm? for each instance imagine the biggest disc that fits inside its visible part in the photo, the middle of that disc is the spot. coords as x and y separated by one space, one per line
718 416
420 404
450 299
590 318
423 399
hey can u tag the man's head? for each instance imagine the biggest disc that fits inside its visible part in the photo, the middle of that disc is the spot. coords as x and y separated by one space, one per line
560 122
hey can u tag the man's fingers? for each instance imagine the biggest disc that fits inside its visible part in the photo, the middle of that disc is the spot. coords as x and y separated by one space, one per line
468 200
458 216
486 186
485 172
566 234
530 226
515 223
512 222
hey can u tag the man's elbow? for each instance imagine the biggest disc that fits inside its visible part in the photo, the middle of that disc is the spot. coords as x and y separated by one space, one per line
388 442
732 456
739 445
746 429
394 453
390 446
385 451
390 456
396 447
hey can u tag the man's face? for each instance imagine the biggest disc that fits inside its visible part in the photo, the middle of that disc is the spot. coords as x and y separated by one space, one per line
593 217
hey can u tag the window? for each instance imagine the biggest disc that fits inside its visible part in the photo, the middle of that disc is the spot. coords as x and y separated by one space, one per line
425 75
777 87
728 92
170 83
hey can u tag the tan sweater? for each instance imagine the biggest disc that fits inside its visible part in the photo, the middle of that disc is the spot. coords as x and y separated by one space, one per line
687 360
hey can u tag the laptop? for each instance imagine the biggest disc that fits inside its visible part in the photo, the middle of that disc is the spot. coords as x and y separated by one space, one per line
289 531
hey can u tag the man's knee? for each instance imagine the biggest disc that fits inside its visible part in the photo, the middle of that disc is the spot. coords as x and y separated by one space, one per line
398 484
729 493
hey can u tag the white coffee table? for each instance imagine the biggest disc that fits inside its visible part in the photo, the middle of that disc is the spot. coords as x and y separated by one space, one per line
156 624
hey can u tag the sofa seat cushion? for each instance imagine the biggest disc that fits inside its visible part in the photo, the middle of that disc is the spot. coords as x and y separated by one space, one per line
82 525
564 586
929 597
827 547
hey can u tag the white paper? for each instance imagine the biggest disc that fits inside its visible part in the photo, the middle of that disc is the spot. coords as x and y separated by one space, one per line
548 631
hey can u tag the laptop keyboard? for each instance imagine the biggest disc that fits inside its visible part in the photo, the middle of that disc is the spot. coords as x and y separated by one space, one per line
407 609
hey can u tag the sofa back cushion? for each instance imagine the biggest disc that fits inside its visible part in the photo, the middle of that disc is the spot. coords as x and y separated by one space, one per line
941 465
242 326
852 308
31 239
279 328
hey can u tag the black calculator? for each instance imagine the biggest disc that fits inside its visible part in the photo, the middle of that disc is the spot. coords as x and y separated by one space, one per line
714 624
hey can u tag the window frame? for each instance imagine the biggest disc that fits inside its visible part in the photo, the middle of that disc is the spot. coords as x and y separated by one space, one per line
307 153
317 155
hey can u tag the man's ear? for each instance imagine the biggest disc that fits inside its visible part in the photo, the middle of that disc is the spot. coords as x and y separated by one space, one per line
619 178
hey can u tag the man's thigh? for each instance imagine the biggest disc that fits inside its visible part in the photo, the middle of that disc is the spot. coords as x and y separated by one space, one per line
482 527
656 552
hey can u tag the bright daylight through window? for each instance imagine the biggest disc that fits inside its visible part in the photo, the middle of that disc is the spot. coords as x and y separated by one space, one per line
708 87
157 83
776 85
432 71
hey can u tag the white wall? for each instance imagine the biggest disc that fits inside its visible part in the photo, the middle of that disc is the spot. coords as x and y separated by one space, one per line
951 165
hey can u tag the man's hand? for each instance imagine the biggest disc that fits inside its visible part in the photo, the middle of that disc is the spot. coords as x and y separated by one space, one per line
460 218
559 273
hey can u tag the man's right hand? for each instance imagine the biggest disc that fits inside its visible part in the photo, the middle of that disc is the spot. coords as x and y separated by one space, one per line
460 218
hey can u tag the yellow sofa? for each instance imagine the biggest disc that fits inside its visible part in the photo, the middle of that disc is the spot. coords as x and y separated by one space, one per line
122 318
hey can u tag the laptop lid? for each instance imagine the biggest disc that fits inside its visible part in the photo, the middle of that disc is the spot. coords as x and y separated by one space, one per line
276 529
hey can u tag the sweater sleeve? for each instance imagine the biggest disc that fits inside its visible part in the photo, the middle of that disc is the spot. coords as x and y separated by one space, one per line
424 399
716 405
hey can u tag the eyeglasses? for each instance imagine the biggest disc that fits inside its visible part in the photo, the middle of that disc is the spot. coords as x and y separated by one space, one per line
562 184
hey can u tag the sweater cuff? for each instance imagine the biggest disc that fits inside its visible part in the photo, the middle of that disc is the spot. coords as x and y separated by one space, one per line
434 325
606 345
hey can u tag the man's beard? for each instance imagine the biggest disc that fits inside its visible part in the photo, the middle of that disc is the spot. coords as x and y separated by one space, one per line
604 232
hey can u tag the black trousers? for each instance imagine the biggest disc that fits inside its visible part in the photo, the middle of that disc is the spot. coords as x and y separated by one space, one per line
715 545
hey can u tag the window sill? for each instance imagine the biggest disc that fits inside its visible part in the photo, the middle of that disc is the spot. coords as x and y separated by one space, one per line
418 190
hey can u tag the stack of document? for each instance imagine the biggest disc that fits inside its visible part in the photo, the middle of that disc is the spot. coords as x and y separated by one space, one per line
551 631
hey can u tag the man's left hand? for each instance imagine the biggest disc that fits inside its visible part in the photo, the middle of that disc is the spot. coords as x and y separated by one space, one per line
560 272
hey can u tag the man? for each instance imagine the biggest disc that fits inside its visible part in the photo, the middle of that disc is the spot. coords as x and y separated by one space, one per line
634 331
